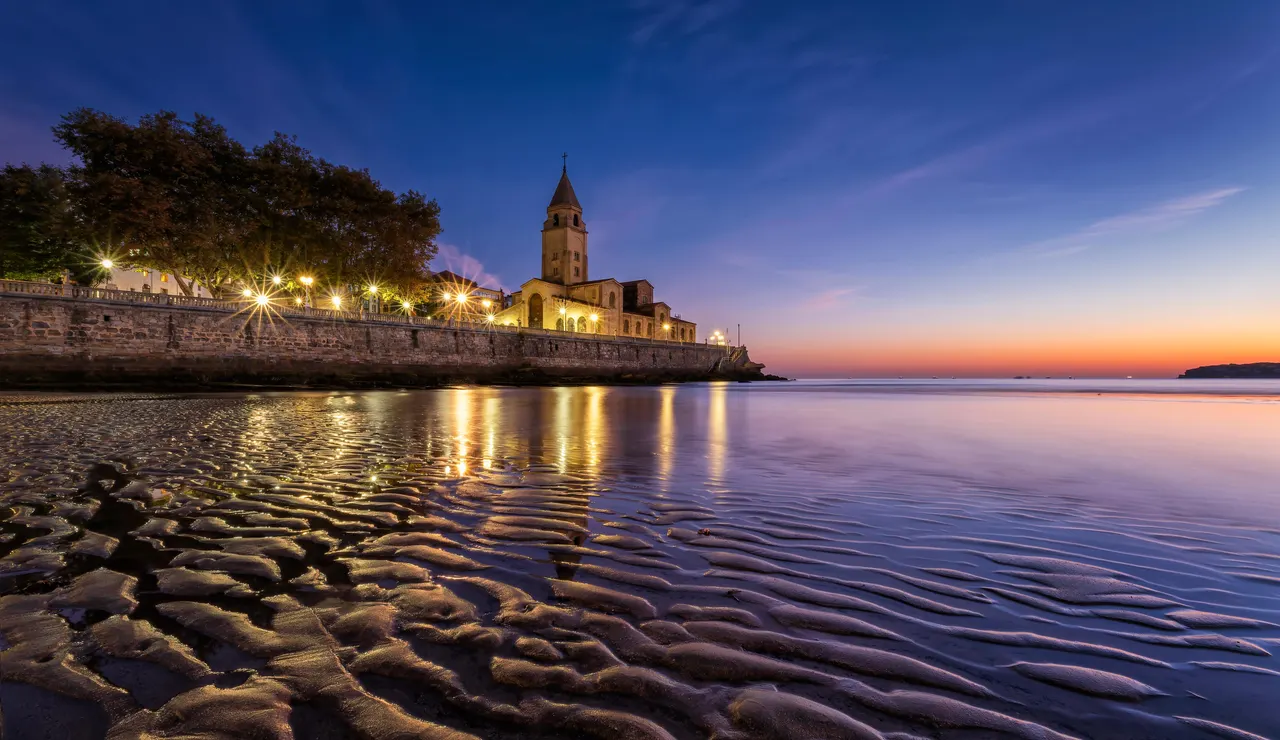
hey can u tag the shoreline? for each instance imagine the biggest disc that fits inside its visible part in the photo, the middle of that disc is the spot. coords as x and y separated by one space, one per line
252 383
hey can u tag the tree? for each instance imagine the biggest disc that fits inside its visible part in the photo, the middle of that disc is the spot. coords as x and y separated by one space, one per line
160 192
185 198
38 238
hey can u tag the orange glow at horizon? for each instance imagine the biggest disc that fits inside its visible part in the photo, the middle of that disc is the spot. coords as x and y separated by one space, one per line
1120 354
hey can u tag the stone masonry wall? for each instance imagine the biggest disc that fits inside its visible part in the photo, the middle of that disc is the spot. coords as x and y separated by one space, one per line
47 340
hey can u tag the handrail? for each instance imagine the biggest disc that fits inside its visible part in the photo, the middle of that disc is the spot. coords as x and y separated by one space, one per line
79 292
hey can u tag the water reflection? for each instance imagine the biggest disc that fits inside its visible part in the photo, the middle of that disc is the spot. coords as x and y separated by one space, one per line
995 560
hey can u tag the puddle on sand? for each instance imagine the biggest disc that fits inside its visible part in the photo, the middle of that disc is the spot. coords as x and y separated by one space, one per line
513 563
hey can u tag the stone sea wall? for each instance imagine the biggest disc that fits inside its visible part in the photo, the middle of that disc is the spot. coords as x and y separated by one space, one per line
52 340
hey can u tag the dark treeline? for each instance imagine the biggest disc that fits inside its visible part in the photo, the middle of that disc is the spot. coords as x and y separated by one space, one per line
184 197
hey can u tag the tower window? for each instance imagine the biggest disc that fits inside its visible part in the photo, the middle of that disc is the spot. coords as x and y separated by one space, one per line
575 219
576 257
555 220
626 326
575 271
613 300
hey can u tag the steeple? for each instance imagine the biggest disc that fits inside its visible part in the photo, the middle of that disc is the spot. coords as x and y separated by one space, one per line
564 190
564 235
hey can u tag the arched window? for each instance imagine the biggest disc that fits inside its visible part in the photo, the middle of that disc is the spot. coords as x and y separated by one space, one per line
535 311
575 219
582 323
555 220
613 299
626 326
560 324
648 329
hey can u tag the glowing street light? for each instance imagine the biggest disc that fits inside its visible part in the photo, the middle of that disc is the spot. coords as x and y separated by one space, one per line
490 318
462 298
373 290
448 297
666 327
276 280
337 301
107 264
297 301
594 318
486 303
406 305
263 299
562 311
305 280
247 293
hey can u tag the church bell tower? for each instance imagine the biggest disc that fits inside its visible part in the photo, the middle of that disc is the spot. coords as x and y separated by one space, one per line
564 236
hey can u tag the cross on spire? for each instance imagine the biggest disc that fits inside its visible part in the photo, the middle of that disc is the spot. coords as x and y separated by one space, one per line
565 166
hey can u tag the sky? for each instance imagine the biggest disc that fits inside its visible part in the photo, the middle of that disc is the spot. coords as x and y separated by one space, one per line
976 188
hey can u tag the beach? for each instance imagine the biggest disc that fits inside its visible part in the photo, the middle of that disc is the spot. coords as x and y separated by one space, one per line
825 559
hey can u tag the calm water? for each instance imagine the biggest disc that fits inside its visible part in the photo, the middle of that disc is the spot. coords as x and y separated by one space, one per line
940 559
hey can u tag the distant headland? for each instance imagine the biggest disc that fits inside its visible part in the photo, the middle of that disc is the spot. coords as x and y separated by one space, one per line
1247 370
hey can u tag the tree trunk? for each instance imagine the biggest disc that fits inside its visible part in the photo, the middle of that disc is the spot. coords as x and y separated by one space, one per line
183 285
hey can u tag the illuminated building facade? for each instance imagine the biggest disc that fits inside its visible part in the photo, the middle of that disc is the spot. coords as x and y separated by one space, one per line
565 297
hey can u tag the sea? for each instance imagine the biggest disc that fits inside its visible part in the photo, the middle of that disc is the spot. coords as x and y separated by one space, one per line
900 559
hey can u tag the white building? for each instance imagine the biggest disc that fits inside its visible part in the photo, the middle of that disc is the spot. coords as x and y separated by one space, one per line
141 280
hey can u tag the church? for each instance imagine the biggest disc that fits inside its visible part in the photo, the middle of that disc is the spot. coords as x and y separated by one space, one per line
565 298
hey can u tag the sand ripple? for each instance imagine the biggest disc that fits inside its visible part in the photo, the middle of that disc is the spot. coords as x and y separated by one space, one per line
338 565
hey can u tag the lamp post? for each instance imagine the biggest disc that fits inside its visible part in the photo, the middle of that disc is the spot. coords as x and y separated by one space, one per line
306 281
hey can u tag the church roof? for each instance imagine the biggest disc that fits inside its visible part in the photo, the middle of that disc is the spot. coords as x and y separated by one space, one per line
564 193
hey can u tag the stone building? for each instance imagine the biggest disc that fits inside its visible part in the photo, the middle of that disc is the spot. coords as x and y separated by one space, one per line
567 299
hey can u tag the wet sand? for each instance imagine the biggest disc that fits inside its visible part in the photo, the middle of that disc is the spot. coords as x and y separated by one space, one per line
727 561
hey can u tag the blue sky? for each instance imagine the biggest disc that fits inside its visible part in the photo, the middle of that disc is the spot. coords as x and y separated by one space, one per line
869 188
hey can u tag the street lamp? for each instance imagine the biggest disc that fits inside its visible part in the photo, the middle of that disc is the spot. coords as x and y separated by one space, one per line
263 299
306 281
276 279
462 298
337 302
247 293
486 303
107 264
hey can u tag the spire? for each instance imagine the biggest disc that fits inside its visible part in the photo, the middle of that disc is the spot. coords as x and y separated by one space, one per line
564 190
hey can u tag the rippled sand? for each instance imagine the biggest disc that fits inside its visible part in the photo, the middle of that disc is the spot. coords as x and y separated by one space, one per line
607 563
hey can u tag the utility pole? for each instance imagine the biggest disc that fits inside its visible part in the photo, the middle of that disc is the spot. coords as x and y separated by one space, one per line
739 335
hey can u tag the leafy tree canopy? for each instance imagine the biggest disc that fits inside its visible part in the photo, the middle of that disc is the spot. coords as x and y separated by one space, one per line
184 197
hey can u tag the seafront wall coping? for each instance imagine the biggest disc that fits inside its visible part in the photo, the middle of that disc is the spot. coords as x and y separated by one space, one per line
55 333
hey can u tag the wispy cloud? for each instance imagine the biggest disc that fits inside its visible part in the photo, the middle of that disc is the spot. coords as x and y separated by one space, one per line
449 257
1159 217
830 298
678 17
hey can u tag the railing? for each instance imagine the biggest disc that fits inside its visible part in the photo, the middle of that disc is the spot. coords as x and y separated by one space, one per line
22 287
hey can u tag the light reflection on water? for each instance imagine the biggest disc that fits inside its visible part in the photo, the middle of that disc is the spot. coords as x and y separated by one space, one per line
957 514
